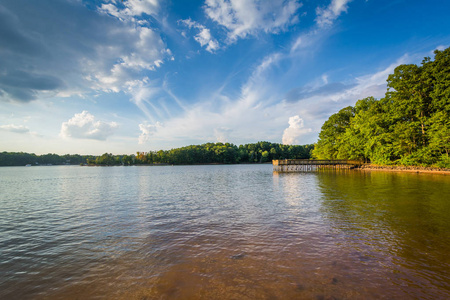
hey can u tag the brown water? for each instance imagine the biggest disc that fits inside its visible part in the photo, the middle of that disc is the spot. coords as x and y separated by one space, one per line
222 232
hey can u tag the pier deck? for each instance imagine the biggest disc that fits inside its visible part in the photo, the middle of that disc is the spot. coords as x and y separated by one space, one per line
301 165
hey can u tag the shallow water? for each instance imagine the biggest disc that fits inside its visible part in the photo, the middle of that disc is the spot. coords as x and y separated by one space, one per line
222 232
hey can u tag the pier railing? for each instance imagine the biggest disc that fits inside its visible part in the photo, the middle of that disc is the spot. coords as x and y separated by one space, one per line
296 165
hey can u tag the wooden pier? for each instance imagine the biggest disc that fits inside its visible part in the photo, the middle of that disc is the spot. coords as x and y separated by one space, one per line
304 165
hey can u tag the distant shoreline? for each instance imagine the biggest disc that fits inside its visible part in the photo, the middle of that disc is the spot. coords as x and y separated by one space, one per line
148 165
194 164
408 169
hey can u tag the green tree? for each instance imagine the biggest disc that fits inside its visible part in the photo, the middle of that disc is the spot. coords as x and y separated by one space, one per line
331 137
265 156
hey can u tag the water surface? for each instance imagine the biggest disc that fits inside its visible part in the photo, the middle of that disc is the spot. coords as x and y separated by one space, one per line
222 232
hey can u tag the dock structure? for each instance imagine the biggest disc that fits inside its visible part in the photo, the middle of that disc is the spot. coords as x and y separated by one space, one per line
304 165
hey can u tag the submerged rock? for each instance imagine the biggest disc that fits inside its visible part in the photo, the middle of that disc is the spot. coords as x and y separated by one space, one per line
238 256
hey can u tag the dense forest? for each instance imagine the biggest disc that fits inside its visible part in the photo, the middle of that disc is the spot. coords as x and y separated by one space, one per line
196 154
409 126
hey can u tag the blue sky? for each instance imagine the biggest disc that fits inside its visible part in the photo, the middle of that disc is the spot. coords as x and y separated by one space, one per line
116 76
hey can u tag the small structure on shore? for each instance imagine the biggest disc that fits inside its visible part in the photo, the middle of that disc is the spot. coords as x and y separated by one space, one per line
303 165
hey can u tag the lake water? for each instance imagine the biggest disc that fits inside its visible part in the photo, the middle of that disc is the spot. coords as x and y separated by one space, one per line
222 232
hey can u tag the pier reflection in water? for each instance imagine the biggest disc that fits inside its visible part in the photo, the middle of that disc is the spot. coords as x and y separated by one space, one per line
222 232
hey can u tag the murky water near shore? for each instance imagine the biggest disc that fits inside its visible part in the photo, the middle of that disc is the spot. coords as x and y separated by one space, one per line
222 232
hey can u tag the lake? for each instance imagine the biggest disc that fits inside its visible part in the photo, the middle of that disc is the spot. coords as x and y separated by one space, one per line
222 232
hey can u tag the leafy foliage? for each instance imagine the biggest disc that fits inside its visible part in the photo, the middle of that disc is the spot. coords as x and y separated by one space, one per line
409 126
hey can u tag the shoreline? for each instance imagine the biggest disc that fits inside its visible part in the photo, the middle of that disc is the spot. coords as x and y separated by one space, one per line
172 165
407 169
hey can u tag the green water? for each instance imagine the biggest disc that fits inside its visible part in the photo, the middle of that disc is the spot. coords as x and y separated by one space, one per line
401 219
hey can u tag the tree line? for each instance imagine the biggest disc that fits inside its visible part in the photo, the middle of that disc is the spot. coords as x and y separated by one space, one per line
22 158
209 153
409 126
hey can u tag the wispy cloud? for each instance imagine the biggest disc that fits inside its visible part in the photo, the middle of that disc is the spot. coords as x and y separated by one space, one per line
326 16
222 134
85 126
244 18
15 128
259 113
126 10
254 115
148 130
308 91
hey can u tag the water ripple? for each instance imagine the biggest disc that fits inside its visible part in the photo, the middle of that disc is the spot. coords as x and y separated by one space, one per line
221 232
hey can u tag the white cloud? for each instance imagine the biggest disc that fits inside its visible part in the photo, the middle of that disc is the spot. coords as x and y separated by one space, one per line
85 52
15 128
131 8
146 52
84 126
204 37
222 134
294 131
326 16
249 17
147 130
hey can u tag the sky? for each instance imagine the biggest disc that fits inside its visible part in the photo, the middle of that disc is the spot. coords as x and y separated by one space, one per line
90 77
